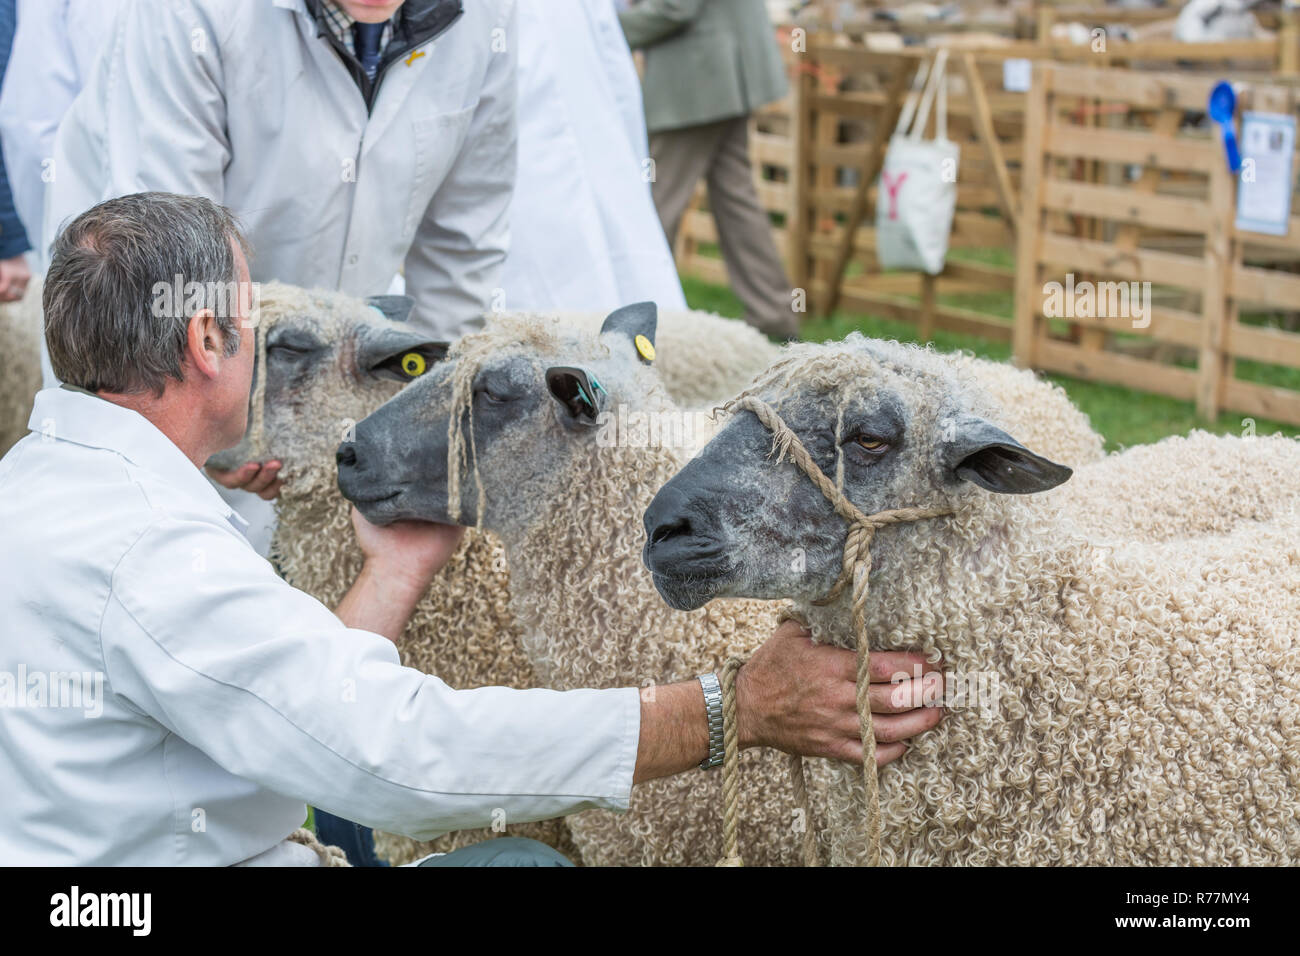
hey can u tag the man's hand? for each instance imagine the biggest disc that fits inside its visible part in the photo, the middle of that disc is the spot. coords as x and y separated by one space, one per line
14 276
401 560
261 479
801 697
412 550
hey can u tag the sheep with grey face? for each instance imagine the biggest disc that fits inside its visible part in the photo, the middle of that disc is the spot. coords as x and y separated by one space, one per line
508 433
331 360
1126 702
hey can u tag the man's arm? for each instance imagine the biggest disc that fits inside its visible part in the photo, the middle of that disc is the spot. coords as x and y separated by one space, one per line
455 261
202 636
790 695
652 21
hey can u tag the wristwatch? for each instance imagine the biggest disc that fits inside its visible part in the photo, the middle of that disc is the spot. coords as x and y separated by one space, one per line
713 710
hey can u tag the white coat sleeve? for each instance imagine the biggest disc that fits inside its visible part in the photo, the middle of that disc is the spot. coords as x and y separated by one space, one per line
455 261
201 635
39 84
151 117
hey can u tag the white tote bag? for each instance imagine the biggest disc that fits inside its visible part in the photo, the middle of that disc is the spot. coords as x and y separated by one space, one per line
917 192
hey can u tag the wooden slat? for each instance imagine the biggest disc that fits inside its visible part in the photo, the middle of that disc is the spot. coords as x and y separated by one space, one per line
1273 346
948 318
1142 265
1126 146
1174 326
1280 290
1115 368
1264 401
1127 205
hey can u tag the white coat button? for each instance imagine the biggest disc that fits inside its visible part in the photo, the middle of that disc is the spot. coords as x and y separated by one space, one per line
352 260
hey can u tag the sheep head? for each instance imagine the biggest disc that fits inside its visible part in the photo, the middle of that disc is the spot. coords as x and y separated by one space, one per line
331 359
892 425
503 427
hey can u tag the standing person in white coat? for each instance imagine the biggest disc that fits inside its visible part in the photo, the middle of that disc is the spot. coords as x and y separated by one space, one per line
346 164
353 138
584 233
55 47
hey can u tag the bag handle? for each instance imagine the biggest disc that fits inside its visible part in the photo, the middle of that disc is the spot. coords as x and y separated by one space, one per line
913 96
933 86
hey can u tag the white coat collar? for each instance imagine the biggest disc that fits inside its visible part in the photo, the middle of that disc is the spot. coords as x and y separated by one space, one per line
77 416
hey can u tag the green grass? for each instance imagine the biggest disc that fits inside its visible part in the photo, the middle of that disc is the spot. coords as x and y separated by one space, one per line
1124 416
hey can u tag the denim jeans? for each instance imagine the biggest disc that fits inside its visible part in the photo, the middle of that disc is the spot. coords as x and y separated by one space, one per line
358 842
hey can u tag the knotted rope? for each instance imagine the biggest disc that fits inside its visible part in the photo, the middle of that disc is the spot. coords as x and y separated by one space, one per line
730 766
856 568
329 855
257 427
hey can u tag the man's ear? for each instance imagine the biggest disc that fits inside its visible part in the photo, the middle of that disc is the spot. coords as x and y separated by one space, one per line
396 308
638 323
205 343
985 455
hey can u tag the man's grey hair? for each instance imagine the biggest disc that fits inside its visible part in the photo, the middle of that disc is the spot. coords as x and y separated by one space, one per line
125 278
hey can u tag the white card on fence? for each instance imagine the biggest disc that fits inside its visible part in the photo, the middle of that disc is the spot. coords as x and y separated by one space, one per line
1265 184
1017 75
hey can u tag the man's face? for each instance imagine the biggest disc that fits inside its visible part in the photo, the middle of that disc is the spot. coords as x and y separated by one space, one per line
370 11
236 380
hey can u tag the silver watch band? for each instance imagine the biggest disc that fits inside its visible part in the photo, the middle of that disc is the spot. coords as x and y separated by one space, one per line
713 709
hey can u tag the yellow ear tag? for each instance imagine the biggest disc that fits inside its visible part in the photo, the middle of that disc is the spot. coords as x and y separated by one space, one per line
413 364
645 348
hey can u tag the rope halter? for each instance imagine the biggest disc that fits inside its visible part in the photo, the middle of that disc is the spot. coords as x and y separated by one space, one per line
856 569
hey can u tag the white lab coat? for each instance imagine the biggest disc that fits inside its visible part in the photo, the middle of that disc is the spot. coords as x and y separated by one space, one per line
242 102
55 47
584 234
165 699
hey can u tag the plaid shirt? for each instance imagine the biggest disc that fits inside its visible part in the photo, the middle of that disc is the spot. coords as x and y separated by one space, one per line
340 24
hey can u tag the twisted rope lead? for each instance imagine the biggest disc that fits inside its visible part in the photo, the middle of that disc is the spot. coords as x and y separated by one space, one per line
856 568
329 855
257 427
730 766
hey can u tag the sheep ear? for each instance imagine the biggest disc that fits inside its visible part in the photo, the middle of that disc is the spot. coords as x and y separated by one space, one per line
638 322
580 394
395 308
987 456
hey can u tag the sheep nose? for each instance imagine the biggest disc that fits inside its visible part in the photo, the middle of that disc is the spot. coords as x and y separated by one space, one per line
670 529
346 456
667 517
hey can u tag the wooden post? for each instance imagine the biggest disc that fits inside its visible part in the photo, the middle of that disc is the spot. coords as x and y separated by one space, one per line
982 116
799 221
1029 293
875 159
925 329
1288 44
1214 294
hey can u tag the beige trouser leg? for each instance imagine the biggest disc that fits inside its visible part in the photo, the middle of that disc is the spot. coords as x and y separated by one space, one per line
720 152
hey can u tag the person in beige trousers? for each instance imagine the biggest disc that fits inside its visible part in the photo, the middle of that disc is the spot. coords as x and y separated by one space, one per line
709 64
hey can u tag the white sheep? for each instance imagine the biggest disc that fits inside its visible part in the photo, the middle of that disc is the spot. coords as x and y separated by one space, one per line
566 503
1126 701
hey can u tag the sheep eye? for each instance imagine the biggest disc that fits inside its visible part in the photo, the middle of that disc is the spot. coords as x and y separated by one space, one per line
414 364
875 446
